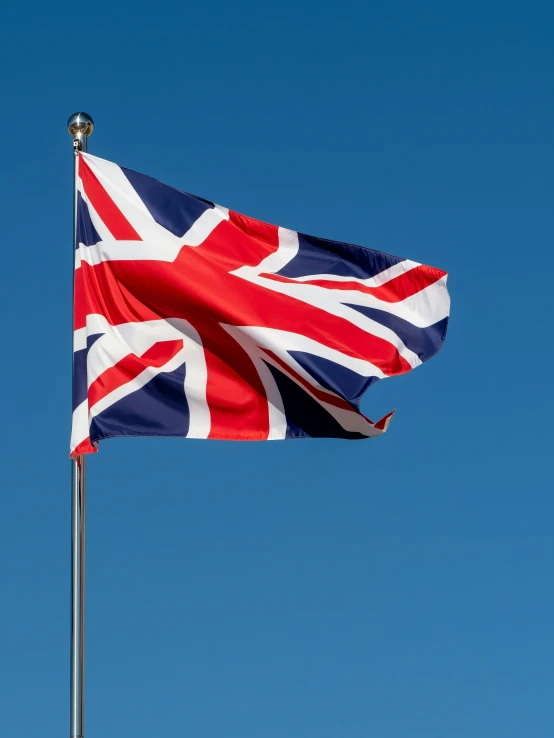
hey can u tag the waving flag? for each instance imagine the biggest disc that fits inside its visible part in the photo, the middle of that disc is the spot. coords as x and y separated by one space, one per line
192 320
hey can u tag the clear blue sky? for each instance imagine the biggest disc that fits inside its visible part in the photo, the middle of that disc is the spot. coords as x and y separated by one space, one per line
395 588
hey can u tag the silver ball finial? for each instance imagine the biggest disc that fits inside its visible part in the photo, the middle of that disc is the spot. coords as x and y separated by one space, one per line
80 124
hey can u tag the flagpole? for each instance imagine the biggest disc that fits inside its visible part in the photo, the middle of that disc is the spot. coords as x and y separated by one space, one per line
80 126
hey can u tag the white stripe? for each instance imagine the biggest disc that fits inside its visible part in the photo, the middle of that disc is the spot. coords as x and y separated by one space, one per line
97 323
111 250
224 211
196 379
288 248
79 425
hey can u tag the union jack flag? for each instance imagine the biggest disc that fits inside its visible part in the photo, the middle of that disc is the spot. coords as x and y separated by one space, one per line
192 320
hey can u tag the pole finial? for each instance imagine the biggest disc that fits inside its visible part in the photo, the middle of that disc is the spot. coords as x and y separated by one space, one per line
80 124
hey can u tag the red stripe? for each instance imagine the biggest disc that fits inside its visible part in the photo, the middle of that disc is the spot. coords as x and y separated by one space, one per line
130 367
234 391
85 447
80 303
384 422
111 215
395 290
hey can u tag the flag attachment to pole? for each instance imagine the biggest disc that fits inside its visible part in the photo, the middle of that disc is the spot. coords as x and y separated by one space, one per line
80 126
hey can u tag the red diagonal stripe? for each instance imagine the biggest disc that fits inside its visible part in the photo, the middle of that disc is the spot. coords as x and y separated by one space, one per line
319 394
111 215
396 290
130 367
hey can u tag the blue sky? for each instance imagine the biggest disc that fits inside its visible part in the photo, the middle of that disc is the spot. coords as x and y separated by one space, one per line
391 588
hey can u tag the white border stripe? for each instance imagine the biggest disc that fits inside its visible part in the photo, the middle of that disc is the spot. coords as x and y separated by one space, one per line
376 281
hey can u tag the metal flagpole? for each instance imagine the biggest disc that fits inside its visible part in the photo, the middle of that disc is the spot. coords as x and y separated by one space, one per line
80 126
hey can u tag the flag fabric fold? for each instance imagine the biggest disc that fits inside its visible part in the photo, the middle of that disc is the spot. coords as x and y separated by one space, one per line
194 321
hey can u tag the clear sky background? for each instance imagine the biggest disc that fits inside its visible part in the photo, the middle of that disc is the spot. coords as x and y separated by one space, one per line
394 588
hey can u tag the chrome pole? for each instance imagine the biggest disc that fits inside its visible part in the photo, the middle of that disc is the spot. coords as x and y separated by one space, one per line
80 126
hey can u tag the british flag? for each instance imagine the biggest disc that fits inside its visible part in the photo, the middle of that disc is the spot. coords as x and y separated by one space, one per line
192 320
